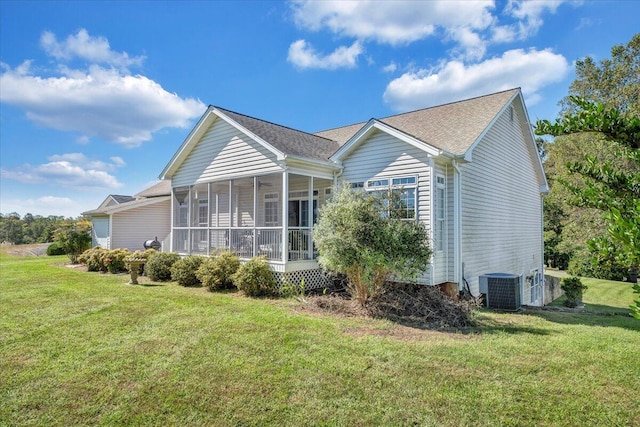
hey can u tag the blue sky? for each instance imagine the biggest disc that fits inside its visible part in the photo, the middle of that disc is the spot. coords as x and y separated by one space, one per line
95 97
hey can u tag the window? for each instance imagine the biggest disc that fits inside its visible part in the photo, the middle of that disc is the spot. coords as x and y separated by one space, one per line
271 208
403 192
203 208
299 208
441 211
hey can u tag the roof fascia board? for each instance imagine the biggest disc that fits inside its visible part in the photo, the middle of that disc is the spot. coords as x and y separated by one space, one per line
207 119
468 155
374 124
542 176
279 154
135 204
198 130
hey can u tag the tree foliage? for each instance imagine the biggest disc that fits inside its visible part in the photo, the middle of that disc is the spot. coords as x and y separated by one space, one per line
592 163
359 236
28 229
74 237
608 188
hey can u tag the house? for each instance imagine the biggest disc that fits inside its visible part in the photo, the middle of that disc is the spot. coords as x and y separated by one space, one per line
129 221
469 170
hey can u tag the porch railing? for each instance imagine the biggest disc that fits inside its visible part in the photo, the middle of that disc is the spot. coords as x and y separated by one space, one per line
242 241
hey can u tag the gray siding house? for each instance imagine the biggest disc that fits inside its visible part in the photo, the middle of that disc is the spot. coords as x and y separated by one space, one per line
469 170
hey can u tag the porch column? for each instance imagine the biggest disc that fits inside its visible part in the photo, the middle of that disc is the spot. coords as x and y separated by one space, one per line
255 216
310 220
285 216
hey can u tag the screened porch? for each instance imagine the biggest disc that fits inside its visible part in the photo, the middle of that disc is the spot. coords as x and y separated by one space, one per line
271 215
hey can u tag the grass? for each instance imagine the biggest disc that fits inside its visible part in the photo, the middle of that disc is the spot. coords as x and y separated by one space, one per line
602 296
81 348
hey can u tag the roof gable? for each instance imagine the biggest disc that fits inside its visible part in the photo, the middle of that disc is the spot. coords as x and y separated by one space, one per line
280 140
450 128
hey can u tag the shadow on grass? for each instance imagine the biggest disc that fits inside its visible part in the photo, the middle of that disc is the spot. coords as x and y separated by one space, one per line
591 315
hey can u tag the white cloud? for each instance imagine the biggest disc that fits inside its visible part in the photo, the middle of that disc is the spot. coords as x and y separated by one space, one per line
101 102
531 70
390 68
303 55
71 170
470 25
529 15
82 45
394 23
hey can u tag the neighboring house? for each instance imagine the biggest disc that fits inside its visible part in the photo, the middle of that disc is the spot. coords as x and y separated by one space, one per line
129 221
469 170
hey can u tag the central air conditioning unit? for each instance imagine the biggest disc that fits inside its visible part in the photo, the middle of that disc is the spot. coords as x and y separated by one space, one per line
501 290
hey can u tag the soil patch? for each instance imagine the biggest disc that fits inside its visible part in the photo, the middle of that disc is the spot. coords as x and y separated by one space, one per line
35 249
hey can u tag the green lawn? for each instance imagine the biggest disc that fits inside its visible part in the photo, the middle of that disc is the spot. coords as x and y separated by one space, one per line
602 296
81 348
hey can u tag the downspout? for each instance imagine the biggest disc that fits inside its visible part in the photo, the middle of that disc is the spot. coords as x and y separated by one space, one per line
457 231
542 247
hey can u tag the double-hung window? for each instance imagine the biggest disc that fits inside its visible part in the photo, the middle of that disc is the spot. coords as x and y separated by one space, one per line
401 195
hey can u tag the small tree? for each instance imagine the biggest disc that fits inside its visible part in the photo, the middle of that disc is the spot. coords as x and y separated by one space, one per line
359 236
74 238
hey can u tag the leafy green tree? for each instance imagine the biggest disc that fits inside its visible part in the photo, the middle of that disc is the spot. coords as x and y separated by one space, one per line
359 236
610 189
74 237
615 83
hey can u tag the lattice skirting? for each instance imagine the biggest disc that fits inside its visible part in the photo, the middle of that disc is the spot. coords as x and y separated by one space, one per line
313 279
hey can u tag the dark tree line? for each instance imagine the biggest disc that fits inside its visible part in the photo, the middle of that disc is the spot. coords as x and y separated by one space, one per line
29 228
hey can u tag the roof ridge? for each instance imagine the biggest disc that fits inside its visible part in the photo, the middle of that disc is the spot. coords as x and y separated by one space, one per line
271 123
450 103
418 110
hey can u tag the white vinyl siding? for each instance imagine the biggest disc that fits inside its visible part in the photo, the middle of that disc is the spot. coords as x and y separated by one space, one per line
133 227
223 153
383 156
501 204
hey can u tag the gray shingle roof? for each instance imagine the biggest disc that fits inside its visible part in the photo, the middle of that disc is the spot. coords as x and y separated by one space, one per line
122 199
450 127
288 141
162 188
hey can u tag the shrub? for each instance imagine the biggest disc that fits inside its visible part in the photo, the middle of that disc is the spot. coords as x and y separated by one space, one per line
114 260
365 238
55 249
159 265
584 264
93 259
184 270
572 287
255 278
216 273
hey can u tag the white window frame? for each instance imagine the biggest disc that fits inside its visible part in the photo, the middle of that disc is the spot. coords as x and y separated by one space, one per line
391 183
270 198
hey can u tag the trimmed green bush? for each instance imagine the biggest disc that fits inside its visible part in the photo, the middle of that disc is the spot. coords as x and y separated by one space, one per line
184 270
159 265
573 288
114 260
55 249
255 278
216 273
93 259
